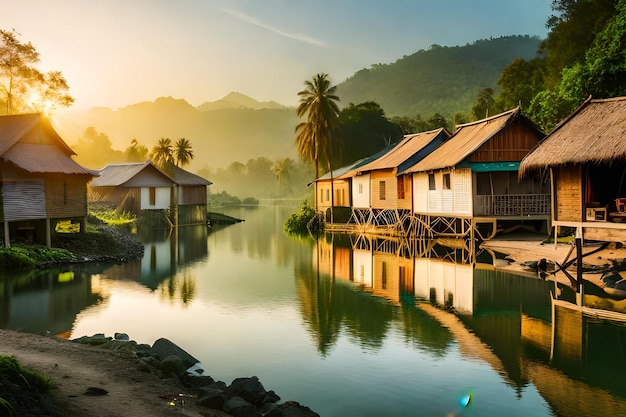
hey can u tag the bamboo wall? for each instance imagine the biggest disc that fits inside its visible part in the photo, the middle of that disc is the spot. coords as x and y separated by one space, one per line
66 196
569 194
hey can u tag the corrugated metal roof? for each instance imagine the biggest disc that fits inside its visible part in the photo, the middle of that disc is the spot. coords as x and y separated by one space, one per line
114 175
182 177
595 132
43 159
16 126
406 151
466 139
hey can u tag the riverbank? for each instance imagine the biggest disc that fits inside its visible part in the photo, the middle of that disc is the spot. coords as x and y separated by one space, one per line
102 376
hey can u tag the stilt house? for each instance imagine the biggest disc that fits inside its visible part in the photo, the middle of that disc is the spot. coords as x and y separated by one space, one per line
585 156
41 183
473 178
382 192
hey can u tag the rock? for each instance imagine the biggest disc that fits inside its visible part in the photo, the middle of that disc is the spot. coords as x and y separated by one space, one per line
172 364
122 337
211 398
238 407
250 389
292 409
163 348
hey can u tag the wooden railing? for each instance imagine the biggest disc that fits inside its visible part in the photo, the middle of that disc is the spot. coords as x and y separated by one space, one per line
512 205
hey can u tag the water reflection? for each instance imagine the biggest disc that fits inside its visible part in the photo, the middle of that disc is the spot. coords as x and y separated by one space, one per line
507 320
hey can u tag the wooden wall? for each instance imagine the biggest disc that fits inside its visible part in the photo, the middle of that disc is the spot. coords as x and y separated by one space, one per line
342 194
389 198
510 144
405 195
569 194
192 194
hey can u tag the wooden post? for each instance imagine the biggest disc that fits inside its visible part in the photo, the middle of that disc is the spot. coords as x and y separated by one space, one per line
579 263
7 238
48 233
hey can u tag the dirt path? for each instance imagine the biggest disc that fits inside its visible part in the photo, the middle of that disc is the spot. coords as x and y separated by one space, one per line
76 367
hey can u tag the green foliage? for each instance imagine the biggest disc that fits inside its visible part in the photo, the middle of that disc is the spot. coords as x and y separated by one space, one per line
442 79
250 201
297 223
364 130
136 152
222 199
28 256
10 368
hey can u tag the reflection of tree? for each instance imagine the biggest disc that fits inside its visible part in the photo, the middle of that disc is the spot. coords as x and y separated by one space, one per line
328 306
423 332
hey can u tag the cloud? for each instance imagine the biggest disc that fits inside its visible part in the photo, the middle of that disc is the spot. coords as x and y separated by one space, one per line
294 36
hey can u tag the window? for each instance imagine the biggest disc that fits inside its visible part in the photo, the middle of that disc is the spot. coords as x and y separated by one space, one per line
327 195
431 182
446 181
401 187
360 188
382 192
152 196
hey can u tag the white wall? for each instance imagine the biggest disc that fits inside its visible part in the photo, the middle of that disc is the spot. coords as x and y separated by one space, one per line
454 201
361 191
362 263
162 200
445 278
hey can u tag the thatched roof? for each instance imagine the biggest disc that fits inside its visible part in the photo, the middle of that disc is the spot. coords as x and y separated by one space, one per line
594 133
29 142
410 150
467 138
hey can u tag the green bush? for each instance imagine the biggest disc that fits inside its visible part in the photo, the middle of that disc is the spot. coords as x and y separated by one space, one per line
297 223
11 369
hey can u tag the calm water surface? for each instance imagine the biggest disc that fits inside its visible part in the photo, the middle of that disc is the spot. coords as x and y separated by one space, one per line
343 325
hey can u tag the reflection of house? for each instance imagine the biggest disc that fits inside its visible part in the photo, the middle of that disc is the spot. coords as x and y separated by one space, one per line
474 175
585 155
445 283
333 259
134 187
392 276
41 184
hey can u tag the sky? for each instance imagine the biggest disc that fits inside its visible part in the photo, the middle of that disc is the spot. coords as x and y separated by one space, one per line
119 52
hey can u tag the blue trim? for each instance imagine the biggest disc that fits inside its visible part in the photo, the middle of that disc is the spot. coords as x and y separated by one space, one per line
494 166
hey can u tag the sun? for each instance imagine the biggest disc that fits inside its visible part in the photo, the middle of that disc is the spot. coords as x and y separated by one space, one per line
36 102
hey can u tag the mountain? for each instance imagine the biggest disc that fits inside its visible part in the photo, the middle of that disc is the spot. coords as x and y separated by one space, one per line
238 128
441 79
218 137
235 100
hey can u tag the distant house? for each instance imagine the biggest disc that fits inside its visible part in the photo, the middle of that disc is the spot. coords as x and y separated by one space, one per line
41 183
134 187
473 177
586 158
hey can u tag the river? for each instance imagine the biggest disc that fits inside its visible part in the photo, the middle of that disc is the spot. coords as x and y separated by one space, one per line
345 325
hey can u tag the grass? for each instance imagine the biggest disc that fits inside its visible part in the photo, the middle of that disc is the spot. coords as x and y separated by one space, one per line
21 389
112 217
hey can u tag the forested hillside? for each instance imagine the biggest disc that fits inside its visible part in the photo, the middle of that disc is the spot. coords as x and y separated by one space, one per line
441 79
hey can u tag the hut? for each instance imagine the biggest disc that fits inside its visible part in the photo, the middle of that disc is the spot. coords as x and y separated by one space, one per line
585 156
41 183
330 183
382 192
134 187
473 179
192 196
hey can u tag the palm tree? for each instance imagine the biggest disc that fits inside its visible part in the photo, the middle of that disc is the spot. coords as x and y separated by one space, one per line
182 152
316 137
161 154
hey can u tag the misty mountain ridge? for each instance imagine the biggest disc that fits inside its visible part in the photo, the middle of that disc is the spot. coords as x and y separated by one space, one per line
239 128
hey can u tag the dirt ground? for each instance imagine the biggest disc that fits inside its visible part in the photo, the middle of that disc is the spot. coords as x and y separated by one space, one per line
74 368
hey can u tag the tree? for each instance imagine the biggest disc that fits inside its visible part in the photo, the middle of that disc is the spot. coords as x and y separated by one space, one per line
94 149
22 86
365 130
317 136
182 152
136 152
484 101
162 155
